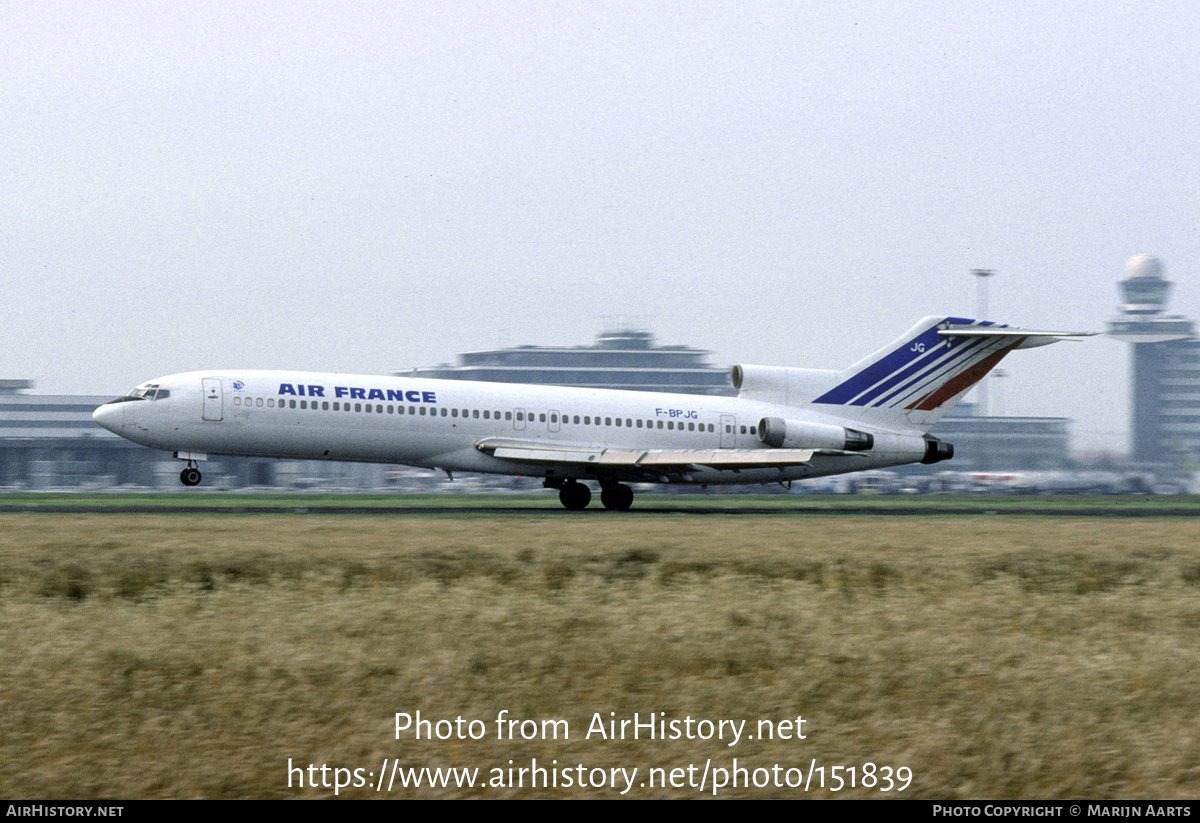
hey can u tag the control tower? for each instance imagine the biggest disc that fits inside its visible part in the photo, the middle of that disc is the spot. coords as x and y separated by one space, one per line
1166 365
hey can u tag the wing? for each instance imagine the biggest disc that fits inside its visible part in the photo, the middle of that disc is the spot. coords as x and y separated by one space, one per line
652 462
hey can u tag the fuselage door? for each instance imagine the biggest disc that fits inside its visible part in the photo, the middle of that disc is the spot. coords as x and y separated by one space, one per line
728 431
213 405
519 419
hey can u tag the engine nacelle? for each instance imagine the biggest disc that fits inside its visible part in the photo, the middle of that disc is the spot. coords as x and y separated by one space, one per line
795 434
780 385
936 450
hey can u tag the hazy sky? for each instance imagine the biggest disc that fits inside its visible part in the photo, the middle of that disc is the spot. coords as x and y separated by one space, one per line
373 186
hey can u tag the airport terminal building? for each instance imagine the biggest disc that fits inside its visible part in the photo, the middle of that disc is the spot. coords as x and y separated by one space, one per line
626 359
51 442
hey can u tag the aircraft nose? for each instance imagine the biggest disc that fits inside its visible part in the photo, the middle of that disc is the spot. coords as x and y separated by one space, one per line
110 416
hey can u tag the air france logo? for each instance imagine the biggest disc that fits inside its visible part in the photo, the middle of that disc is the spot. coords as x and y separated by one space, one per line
357 393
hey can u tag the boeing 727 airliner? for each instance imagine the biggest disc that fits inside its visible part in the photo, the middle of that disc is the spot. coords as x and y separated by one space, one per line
785 423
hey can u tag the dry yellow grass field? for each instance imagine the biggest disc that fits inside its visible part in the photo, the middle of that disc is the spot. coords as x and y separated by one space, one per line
968 657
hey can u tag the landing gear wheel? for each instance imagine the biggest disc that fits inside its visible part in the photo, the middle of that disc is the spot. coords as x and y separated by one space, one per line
617 498
190 476
575 496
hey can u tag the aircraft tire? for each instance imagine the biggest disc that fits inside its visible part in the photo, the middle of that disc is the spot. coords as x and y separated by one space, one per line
617 498
190 476
575 496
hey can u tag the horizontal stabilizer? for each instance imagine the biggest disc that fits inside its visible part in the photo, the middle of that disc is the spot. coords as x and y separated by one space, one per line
1031 339
911 383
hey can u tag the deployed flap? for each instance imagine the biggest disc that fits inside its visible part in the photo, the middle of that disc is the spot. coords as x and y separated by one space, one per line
650 460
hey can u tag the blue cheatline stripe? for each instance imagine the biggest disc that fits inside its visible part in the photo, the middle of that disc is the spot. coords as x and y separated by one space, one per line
948 362
846 392
923 365
909 356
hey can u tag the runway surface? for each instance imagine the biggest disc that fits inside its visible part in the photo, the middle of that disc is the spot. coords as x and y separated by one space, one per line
640 510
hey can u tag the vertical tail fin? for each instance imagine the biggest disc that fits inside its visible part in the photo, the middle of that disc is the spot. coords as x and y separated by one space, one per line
911 383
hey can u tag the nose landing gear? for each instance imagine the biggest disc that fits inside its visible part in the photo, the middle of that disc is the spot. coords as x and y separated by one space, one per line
190 476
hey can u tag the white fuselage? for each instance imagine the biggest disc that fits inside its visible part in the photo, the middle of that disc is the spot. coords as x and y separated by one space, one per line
456 425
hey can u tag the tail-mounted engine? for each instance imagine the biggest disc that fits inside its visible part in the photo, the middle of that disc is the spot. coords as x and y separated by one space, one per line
936 450
794 434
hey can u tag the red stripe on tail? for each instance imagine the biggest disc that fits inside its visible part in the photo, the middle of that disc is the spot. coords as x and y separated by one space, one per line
962 381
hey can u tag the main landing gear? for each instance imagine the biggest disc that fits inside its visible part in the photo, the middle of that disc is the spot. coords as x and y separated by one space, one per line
617 498
575 496
190 476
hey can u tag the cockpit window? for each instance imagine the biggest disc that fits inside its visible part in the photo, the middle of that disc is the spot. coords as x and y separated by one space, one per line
150 391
